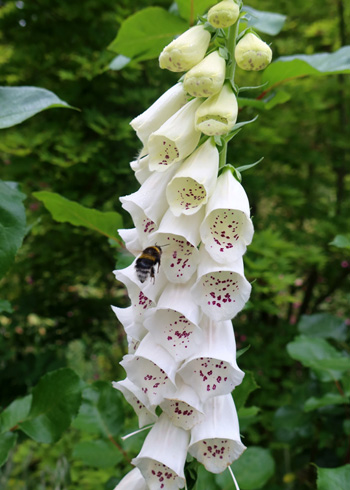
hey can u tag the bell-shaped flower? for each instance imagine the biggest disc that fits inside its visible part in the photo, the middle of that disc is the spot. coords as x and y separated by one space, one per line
159 112
227 228
184 407
213 370
175 139
215 442
185 51
252 54
132 481
134 329
132 240
150 199
180 237
152 369
206 78
174 323
221 290
218 114
140 168
195 180
163 455
223 14
138 400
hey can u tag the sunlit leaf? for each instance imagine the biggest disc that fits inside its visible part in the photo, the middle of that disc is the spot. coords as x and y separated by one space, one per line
267 22
333 478
190 9
341 241
19 103
323 325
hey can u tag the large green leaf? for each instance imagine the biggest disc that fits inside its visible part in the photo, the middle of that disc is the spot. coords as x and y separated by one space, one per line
287 68
16 412
333 478
341 241
7 441
12 224
101 411
267 22
314 403
264 467
242 391
190 9
323 325
56 400
66 211
144 34
19 103
98 453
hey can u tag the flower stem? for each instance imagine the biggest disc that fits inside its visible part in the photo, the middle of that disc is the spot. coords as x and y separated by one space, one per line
233 478
231 44
223 155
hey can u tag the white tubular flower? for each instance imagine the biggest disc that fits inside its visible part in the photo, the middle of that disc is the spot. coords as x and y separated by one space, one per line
195 181
131 240
159 112
138 400
163 455
131 325
174 323
152 369
215 442
213 370
175 139
132 481
252 54
180 237
184 407
221 290
150 199
218 114
185 51
140 168
224 14
207 77
227 228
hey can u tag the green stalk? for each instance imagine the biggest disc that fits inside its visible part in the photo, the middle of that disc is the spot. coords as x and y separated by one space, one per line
231 45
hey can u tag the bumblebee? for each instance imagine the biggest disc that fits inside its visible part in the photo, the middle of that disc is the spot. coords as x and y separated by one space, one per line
147 261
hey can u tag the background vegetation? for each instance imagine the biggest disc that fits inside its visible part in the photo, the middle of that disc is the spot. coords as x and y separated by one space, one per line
58 291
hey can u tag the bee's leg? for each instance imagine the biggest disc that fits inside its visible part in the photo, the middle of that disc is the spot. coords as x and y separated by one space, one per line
152 275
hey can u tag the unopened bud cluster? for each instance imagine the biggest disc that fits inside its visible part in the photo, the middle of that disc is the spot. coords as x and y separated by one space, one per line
193 225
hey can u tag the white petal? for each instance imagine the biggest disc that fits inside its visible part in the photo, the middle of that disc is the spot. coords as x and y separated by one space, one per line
131 239
220 290
132 327
132 481
150 198
213 369
184 407
152 369
207 77
174 323
215 442
138 400
175 139
163 454
159 112
140 167
183 225
227 228
195 181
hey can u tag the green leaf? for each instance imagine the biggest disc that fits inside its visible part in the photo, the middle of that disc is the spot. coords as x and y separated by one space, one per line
341 241
66 211
98 453
323 325
15 413
101 411
314 403
267 22
340 364
310 350
144 34
119 62
7 442
56 400
12 224
5 306
241 392
240 352
333 478
20 103
243 123
258 459
190 10
251 165
288 68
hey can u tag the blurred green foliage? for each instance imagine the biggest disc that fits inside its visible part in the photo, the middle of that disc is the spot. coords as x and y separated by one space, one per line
61 284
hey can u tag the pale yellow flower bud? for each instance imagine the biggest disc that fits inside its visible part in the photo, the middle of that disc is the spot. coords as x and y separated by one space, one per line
218 114
185 51
206 78
252 54
224 14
